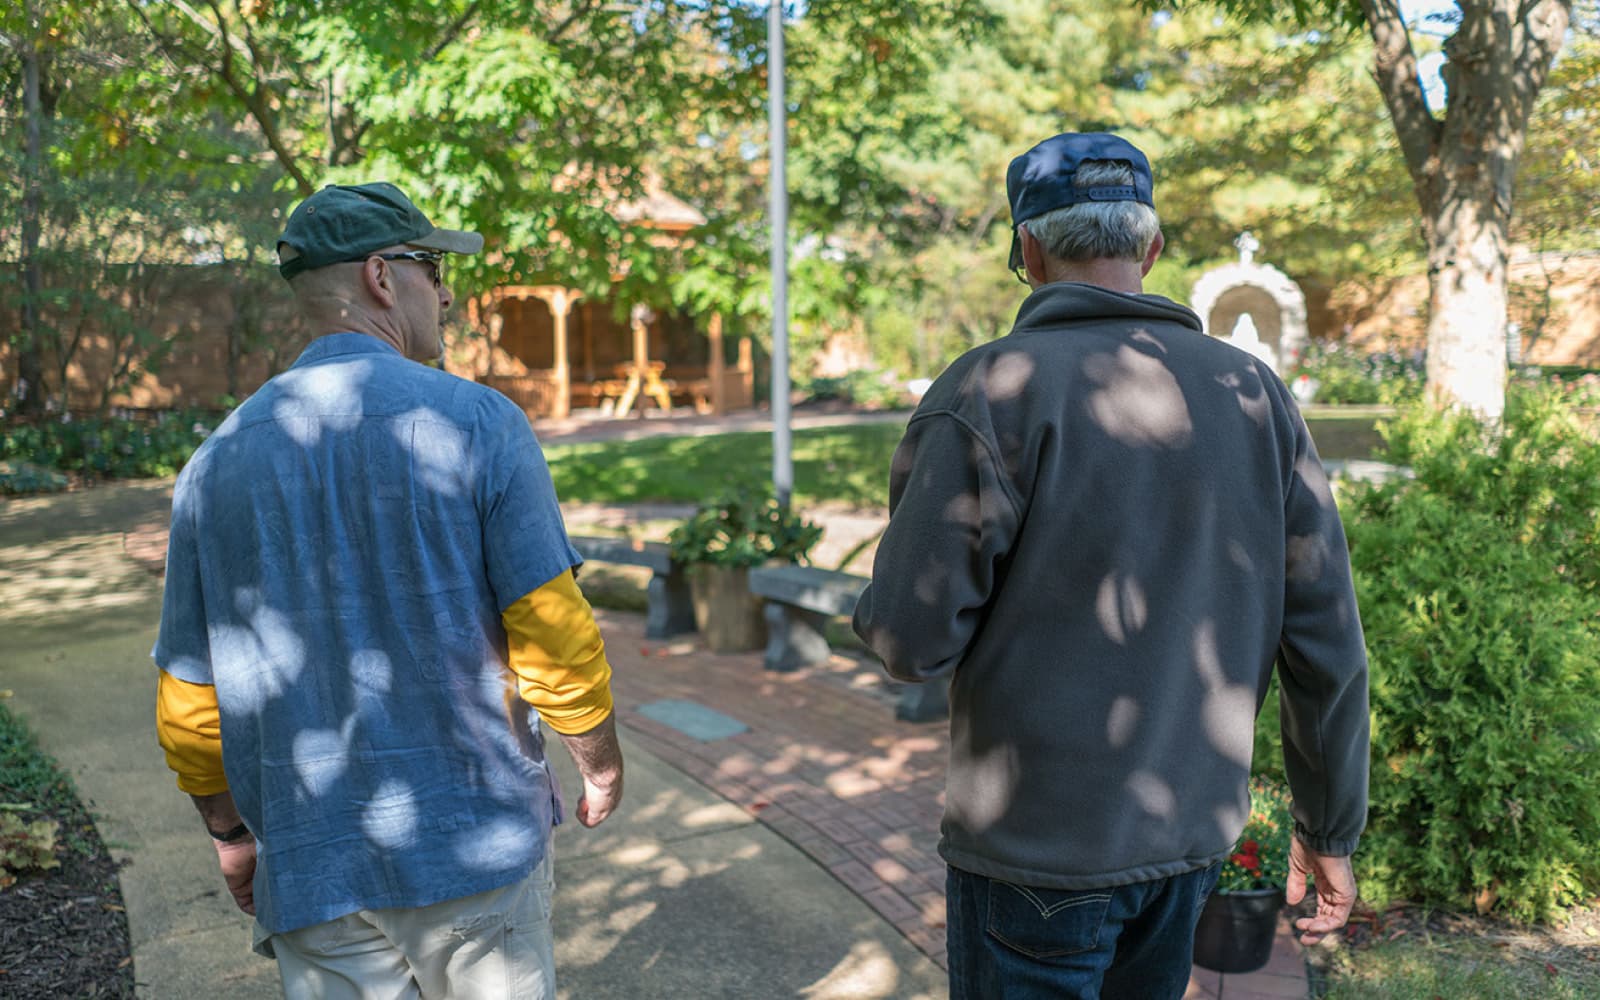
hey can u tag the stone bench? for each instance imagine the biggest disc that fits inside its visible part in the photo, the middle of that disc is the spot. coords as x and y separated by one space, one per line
799 602
670 609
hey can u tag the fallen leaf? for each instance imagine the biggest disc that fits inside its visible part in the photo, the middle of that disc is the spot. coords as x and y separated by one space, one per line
1487 897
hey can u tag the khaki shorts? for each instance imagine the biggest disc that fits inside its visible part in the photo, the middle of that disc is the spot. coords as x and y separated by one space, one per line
493 945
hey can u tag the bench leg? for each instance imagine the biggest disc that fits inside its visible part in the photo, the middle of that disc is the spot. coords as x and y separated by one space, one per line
925 702
795 638
671 609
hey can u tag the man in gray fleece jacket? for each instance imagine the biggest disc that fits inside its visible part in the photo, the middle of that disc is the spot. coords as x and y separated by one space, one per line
1106 528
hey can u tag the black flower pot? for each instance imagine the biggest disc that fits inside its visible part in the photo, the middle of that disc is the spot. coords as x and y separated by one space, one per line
1236 929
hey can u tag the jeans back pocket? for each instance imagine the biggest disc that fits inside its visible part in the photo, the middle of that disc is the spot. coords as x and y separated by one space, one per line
1046 923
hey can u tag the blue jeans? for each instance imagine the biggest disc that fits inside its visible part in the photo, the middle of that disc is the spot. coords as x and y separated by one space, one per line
1020 942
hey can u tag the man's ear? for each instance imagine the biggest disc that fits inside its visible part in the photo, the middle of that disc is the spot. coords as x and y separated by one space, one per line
1151 254
378 280
1032 255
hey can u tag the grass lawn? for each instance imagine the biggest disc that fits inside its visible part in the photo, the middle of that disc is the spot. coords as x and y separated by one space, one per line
847 465
843 464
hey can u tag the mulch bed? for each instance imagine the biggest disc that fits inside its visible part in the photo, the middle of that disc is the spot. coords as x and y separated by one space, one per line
63 932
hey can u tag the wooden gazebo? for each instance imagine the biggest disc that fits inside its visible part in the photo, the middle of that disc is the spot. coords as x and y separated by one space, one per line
552 352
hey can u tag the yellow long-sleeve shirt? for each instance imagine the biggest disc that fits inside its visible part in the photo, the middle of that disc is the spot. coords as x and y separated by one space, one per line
556 654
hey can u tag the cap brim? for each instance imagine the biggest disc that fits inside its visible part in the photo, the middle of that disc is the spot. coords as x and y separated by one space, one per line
449 240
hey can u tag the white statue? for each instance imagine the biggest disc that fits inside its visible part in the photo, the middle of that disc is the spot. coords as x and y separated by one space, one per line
1247 245
1246 338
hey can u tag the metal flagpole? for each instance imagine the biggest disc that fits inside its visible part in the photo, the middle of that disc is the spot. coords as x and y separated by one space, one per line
777 129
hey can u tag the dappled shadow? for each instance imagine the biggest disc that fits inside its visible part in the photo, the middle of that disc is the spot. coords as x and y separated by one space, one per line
688 893
64 562
338 562
1112 604
722 915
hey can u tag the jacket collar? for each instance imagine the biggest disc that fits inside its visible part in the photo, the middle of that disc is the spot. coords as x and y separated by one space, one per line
1064 302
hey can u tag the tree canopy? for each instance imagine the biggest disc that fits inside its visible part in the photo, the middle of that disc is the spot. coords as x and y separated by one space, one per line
173 131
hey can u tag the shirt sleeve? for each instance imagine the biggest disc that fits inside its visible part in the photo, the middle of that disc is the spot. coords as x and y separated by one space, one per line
952 519
525 540
190 731
557 654
1323 666
182 646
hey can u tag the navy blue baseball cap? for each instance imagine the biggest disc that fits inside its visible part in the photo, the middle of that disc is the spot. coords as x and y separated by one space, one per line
1041 180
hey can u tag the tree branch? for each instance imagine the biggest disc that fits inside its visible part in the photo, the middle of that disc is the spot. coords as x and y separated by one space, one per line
579 10
451 32
257 106
1539 49
1395 71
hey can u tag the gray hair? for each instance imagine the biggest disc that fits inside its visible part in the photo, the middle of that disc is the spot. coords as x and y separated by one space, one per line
1098 230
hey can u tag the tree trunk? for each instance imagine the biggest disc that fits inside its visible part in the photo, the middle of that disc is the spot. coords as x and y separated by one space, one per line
1467 296
1463 169
30 339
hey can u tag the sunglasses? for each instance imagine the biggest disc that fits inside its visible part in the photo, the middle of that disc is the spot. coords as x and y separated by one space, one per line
433 258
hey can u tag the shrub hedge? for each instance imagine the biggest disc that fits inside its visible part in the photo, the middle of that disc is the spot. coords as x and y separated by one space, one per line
108 447
1480 594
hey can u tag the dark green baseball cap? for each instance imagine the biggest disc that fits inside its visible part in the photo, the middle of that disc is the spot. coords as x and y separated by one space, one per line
346 222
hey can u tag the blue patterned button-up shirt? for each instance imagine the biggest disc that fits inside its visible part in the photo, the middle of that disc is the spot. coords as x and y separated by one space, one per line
342 547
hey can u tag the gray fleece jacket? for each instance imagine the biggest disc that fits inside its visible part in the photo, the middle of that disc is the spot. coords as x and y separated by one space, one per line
1106 528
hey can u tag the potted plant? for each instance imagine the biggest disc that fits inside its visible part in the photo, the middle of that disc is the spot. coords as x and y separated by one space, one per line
1240 920
726 536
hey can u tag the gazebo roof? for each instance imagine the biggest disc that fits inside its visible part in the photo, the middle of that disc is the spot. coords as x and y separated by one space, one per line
654 208
658 209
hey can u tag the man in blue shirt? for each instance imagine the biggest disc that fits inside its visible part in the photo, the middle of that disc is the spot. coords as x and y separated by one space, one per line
370 604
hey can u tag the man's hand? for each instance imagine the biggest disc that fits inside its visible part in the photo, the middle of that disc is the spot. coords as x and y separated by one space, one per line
1336 890
599 760
599 801
238 860
238 857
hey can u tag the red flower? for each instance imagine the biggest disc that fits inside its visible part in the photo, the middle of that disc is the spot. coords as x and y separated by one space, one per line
1250 847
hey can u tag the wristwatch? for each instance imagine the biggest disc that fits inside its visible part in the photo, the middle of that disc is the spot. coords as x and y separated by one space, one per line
237 833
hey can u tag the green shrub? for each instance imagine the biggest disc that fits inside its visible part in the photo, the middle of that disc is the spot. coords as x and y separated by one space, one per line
743 528
870 389
1478 590
24 478
109 447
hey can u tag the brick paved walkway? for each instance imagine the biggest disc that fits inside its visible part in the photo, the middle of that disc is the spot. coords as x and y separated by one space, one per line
825 764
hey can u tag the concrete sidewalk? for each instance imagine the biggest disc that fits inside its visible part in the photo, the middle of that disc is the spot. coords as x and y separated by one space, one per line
776 837
681 894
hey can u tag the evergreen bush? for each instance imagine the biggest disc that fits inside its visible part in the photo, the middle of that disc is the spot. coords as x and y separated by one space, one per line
1480 594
